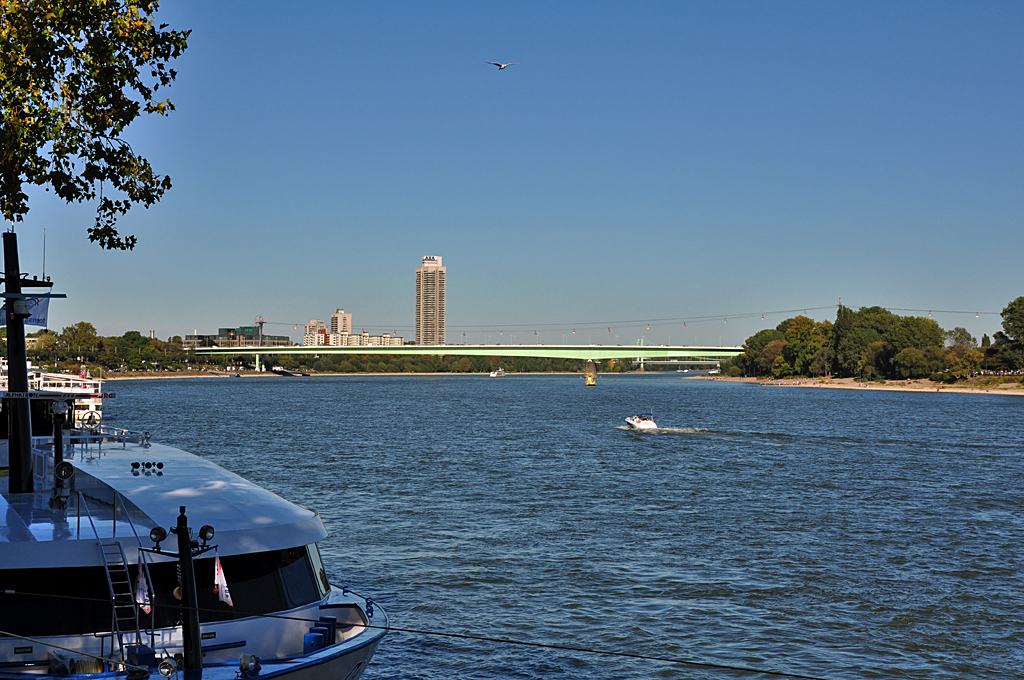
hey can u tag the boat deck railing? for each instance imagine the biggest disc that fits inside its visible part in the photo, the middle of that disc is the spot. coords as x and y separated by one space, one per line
82 445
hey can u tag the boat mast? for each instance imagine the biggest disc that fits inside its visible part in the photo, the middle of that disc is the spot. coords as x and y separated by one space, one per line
19 429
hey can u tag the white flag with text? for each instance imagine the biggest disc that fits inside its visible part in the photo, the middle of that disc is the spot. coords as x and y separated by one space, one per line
38 309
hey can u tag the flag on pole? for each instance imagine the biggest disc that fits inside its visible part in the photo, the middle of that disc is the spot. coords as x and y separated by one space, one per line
142 590
220 582
38 308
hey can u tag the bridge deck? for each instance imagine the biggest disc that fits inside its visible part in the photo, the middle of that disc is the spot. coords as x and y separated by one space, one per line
595 352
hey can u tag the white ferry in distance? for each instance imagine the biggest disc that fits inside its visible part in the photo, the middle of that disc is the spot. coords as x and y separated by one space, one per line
88 407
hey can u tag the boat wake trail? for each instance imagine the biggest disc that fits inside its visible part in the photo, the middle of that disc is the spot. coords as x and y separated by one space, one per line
664 430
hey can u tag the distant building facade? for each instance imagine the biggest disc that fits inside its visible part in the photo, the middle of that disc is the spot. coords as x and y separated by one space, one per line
341 322
243 336
339 334
314 333
430 301
364 339
386 340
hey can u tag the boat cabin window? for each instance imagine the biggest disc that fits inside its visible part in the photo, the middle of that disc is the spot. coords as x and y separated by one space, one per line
318 569
259 583
65 601
69 601
297 576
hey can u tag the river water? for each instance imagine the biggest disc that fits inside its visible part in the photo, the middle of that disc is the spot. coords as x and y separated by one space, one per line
831 533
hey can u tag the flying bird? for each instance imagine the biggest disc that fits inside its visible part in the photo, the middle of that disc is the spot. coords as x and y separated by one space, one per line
501 66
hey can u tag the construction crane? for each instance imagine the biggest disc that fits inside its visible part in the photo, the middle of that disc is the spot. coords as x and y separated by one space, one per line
262 320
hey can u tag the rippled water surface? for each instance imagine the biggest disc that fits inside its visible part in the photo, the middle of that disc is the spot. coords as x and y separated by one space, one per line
833 533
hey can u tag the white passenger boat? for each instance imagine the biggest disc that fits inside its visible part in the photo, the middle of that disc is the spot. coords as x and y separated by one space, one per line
91 583
88 391
500 373
84 592
642 421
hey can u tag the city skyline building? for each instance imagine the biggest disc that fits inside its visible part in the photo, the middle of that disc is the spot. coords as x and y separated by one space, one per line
241 336
341 322
430 301
339 334
313 332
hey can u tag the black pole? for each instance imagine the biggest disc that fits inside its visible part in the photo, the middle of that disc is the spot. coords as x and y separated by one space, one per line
20 427
58 437
193 652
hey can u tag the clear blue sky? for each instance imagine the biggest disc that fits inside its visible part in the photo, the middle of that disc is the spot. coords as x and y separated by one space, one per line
643 161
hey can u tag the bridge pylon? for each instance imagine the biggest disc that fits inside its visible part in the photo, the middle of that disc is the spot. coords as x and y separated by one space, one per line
590 374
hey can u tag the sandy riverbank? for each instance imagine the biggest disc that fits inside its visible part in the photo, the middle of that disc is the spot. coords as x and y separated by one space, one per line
183 374
1015 388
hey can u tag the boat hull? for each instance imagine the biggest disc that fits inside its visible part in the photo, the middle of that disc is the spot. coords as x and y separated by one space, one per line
345 660
328 664
638 424
344 664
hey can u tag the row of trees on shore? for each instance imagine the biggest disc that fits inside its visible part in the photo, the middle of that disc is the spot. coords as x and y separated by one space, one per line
867 343
80 344
872 342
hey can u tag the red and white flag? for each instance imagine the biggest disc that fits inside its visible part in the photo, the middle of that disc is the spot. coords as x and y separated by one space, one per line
220 582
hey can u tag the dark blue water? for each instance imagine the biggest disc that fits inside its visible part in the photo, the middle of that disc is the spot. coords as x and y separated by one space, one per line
833 533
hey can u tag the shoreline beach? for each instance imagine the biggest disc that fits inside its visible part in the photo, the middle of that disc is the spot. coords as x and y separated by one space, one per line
921 385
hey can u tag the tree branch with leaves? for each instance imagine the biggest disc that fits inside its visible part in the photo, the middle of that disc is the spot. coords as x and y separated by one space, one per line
71 81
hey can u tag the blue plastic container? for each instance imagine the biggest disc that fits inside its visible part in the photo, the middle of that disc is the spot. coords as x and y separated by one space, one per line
312 642
324 632
331 623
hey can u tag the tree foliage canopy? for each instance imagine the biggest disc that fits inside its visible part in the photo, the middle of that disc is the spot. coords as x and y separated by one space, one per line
1011 338
80 337
1013 321
872 342
807 344
961 337
755 347
71 81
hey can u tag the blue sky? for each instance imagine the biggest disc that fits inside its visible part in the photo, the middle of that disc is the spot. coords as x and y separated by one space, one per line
643 161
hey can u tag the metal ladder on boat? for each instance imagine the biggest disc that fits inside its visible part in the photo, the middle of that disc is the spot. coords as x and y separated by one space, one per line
125 612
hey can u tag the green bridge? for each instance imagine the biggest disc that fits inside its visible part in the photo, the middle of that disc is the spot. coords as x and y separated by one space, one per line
583 352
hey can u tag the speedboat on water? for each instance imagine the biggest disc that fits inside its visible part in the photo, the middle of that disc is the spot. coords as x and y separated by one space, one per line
95 582
642 421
